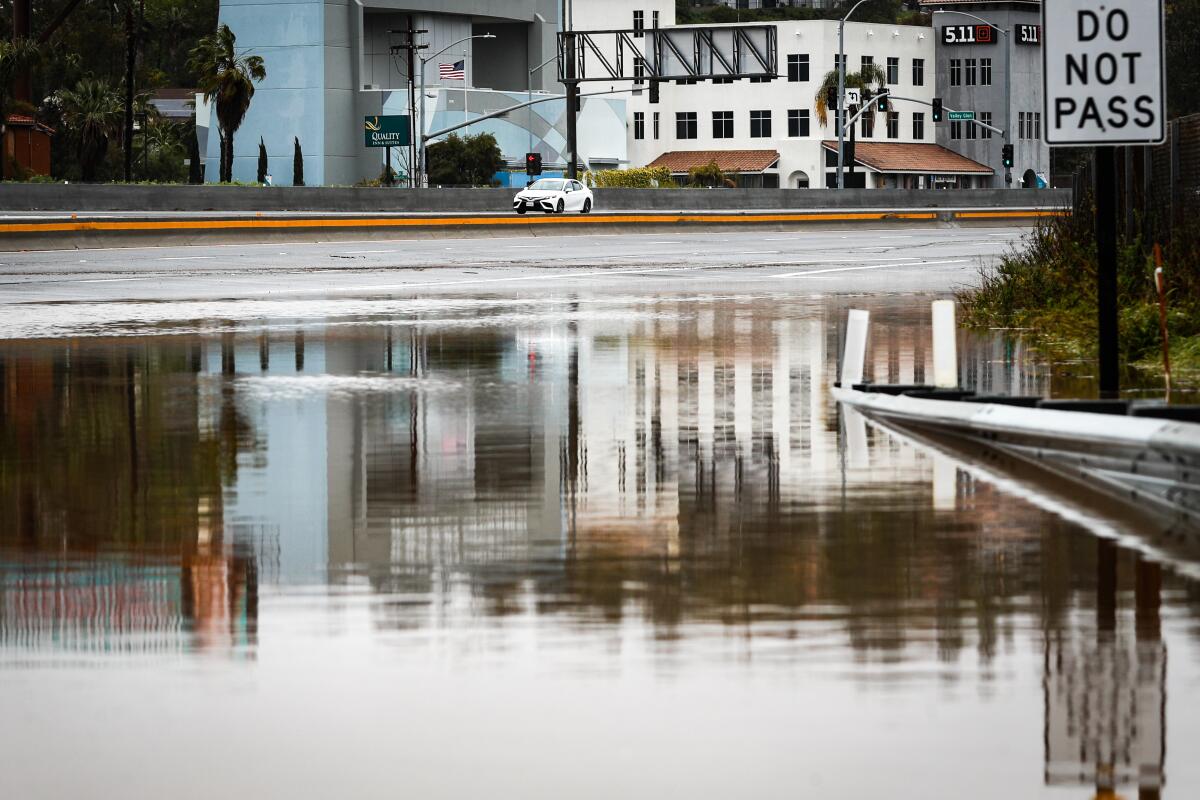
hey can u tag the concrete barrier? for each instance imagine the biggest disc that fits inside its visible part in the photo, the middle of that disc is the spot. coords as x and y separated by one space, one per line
54 197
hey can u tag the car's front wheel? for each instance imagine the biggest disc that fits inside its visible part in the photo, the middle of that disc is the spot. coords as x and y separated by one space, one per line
562 206
587 207
521 209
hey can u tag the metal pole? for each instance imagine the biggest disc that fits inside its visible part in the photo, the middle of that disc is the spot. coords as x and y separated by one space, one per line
412 83
421 131
841 101
572 106
1008 102
1106 276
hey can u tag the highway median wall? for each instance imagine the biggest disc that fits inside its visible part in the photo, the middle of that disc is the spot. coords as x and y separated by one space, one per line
90 198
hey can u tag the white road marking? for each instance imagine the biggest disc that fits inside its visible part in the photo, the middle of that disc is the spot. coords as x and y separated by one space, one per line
554 277
110 280
849 260
872 266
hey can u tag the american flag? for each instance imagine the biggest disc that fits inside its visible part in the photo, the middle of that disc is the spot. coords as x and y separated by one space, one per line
453 72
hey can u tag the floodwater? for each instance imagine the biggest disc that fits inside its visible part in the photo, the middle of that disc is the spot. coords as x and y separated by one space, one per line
573 547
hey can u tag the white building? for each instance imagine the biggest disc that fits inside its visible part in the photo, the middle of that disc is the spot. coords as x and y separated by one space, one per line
768 131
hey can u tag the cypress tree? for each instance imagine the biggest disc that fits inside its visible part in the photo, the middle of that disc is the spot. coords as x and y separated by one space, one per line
262 161
297 165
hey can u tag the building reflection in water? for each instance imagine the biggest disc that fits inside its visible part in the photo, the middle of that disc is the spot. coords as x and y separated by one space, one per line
674 462
1106 695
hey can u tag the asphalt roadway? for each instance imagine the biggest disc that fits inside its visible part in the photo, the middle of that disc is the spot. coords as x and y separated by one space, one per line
122 290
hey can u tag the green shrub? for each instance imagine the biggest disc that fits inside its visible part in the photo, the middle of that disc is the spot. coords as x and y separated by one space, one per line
640 178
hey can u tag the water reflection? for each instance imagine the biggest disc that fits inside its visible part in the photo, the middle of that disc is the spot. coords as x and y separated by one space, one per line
671 471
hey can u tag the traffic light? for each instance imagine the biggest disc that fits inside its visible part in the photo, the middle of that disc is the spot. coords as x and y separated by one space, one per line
1006 156
937 109
831 98
883 99
533 163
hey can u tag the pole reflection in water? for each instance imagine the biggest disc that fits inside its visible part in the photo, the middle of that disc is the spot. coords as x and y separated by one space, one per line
622 496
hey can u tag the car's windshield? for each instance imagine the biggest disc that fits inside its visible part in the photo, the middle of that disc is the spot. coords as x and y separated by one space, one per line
547 185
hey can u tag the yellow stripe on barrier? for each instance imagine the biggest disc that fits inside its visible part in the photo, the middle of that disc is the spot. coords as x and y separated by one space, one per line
493 221
1045 212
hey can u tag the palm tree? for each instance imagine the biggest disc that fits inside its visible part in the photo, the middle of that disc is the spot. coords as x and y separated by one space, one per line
93 110
871 76
16 57
228 79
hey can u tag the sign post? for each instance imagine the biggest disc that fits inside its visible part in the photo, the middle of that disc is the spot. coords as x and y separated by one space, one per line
1105 85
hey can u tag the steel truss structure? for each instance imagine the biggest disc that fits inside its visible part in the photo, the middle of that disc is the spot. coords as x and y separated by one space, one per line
678 53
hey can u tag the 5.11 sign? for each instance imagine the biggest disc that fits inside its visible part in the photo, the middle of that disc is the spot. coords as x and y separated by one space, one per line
1104 72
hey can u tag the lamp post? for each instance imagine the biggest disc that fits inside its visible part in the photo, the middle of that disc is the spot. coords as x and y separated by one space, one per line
1007 82
529 97
842 92
421 124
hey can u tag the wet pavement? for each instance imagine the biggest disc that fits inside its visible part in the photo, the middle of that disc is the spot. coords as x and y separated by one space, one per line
592 545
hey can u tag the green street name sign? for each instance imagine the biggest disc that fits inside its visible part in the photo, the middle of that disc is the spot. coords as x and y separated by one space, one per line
960 115
390 131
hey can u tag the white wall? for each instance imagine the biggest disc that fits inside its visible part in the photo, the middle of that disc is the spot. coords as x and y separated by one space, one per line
819 40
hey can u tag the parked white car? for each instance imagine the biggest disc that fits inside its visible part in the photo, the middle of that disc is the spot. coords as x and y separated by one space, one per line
554 196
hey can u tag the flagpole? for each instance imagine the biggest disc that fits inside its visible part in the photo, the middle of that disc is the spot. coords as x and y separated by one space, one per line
466 113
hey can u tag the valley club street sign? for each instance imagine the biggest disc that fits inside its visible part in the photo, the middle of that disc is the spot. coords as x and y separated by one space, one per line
389 131
1104 71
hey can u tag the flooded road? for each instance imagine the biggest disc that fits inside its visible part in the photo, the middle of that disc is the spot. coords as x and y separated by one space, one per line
586 546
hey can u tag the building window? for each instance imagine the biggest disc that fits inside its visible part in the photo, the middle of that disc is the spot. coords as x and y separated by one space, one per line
919 125
656 125
868 126
893 71
639 23
985 72
972 130
685 82
760 124
837 62
722 80
798 67
798 122
722 124
654 19
969 71
1020 125
639 125
761 79
685 125
639 70
918 72
956 72
868 61
955 129
893 123
986 118
1037 126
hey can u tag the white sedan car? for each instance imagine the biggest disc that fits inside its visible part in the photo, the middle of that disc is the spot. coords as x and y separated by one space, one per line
554 196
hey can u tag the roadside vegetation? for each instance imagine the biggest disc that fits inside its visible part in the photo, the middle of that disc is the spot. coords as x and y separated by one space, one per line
1045 291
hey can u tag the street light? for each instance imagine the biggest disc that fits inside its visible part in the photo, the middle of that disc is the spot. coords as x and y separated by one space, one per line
842 92
421 124
529 97
1007 82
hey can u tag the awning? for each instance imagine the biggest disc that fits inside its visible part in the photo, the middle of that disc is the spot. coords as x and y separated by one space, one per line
912 159
26 121
683 161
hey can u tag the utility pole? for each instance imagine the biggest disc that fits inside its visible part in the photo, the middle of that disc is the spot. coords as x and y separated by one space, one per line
412 104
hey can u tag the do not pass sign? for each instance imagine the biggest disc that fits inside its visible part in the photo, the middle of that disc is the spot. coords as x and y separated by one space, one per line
1104 71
